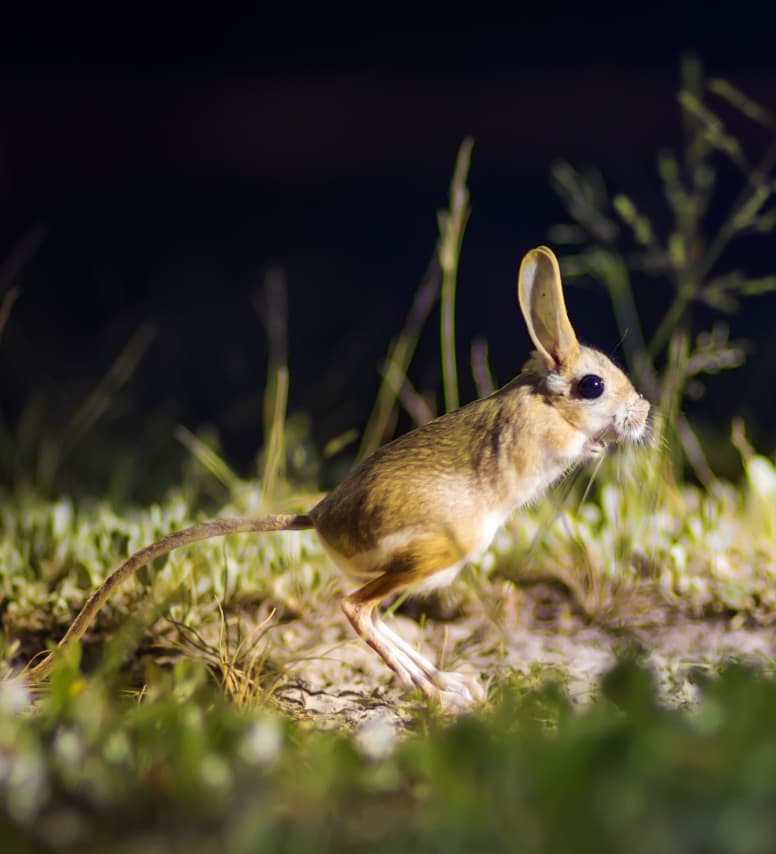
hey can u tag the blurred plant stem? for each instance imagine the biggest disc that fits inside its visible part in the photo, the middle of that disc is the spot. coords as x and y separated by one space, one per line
439 282
452 224
618 244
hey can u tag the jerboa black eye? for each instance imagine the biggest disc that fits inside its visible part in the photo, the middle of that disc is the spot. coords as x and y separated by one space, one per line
591 386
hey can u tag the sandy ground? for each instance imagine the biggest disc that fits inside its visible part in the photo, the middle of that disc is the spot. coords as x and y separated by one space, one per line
311 666
333 680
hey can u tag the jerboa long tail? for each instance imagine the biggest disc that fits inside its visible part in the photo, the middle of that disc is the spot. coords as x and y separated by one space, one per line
185 537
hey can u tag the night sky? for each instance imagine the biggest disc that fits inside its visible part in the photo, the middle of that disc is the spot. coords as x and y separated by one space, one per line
168 160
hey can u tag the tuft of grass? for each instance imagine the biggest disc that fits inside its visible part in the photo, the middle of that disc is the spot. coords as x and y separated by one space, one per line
239 663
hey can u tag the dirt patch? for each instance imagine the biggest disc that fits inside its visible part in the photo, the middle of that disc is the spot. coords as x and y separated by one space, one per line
309 664
332 679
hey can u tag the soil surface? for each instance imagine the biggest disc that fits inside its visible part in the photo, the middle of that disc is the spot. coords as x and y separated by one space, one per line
332 679
310 665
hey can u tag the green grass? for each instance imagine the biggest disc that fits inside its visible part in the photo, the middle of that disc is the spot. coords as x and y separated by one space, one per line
186 770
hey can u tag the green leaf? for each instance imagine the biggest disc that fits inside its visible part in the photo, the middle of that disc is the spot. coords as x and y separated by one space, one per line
743 103
640 225
746 216
713 128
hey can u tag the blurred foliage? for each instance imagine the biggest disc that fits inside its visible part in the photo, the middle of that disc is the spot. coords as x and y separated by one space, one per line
635 254
438 285
186 770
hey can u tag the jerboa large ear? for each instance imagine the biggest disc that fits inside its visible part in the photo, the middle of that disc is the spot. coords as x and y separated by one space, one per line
540 293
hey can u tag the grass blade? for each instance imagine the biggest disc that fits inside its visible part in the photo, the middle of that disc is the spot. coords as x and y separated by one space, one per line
399 357
452 224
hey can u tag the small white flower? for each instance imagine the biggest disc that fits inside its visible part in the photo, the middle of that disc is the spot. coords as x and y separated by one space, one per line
263 742
377 738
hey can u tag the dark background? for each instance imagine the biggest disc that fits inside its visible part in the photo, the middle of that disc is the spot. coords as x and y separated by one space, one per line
173 157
